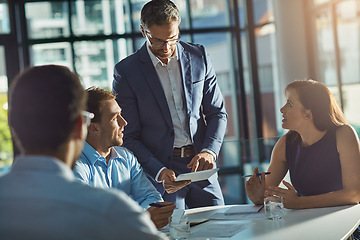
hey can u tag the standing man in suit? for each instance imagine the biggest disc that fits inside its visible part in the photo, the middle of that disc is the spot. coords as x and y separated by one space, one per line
169 94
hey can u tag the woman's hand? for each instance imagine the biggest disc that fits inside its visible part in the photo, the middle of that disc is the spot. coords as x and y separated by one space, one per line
255 187
290 198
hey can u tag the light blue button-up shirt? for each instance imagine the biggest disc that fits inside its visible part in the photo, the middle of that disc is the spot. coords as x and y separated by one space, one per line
41 199
123 172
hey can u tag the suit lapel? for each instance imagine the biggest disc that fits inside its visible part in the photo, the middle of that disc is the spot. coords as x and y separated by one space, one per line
153 81
185 66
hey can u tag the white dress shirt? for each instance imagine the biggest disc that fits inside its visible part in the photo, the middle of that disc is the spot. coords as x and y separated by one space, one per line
171 82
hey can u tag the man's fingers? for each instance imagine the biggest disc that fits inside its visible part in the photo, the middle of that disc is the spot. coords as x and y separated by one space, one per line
170 176
194 163
201 166
190 164
172 187
211 166
167 174
166 210
195 166
205 166
165 204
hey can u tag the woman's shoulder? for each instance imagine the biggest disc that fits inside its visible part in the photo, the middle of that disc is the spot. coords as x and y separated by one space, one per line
278 153
280 145
282 140
345 130
345 134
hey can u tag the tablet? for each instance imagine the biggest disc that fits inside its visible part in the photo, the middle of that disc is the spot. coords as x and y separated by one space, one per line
197 176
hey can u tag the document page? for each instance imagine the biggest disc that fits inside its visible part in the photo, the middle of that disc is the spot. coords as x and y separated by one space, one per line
240 212
220 230
243 209
242 216
197 176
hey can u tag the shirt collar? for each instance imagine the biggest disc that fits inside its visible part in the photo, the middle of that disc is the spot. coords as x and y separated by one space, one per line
92 155
155 60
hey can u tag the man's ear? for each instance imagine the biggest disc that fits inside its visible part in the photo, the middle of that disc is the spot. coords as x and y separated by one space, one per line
92 127
142 31
79 131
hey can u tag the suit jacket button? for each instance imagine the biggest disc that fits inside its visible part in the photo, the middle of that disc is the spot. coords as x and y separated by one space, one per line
172 133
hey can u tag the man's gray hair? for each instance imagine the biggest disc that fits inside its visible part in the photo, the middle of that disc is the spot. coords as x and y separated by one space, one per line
159 12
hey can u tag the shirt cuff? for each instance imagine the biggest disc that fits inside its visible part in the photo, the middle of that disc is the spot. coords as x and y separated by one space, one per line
209 151
158 174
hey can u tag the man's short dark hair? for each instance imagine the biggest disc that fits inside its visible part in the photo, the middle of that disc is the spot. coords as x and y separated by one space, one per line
44 104
159 12
95 97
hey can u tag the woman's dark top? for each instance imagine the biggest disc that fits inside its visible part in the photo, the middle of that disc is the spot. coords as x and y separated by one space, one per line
315 169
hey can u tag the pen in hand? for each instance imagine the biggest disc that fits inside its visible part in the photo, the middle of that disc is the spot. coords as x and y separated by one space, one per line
258 174
157 205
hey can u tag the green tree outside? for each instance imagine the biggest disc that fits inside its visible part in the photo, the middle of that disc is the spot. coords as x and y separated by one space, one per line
6 147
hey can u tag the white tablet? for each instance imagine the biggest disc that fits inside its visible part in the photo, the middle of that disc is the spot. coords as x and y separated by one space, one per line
196 176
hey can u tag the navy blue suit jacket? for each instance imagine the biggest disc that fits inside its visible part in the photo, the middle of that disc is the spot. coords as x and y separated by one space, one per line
149 133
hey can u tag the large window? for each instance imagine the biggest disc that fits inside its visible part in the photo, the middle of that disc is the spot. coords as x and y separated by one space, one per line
6 150
337 26
4 18
6 147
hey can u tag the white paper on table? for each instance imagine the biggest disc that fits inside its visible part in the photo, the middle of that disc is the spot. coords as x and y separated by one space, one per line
220 229
241 209
196 176
242 216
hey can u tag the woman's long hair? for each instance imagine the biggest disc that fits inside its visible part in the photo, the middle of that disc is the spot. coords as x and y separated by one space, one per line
317 98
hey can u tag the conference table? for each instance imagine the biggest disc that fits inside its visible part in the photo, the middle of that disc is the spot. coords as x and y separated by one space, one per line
316 223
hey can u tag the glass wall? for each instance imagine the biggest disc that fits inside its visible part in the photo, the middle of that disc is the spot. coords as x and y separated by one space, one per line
6 147
338 53
266 51
326 49
6 150
4 18
92 60
263 134
348 33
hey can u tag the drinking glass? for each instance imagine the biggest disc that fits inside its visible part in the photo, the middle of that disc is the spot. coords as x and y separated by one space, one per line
274 207
180 229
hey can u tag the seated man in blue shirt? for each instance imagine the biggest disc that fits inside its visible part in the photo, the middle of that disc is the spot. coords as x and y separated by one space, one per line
103 163
40 197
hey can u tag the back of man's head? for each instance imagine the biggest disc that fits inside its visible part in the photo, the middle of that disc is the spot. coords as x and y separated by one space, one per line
44 104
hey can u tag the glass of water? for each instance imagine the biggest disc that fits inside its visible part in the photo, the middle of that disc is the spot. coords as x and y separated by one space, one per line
179 229
274 207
